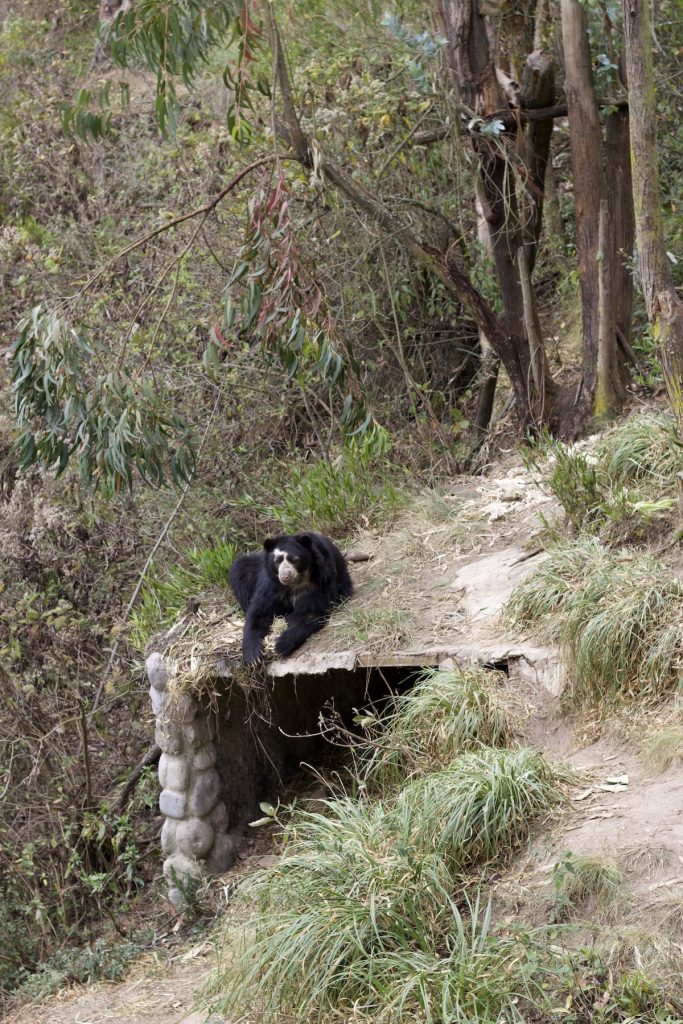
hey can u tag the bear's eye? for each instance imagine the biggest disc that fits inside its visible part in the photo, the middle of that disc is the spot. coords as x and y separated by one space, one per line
279 559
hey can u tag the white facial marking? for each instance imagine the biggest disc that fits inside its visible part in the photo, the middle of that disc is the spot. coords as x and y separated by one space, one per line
287 573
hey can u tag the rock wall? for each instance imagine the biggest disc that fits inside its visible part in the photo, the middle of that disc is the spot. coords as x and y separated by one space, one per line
196 836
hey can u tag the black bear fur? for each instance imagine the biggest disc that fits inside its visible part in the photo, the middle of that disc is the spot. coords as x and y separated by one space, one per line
300 577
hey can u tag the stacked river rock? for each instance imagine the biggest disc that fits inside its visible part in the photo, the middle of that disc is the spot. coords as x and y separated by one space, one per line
195 836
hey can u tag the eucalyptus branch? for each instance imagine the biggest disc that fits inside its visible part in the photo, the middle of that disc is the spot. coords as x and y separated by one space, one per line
510 118
205 209
297 139
150 558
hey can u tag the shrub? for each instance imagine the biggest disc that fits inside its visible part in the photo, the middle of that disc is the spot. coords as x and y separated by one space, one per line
591 487
572 476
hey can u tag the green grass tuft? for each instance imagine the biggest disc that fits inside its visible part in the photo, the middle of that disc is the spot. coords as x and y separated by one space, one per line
581 880
365 895
445 714
480 808
617 617
572 476
646 446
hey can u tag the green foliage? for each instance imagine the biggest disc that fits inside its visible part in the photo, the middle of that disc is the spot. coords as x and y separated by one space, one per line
87 124
578 880
272 295
443 715
175 40
103 961
164 597
332 497
591 487
110 423
617 617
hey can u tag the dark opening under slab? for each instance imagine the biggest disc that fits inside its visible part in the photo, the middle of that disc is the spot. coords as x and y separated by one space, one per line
263 738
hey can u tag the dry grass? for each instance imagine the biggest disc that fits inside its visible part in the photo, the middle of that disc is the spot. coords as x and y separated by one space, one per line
585 882
618 617
662 749
644 860
665 907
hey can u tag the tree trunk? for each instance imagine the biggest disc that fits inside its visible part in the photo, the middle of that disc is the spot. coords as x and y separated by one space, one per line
490 363
585 139
605 395
474 75
620 190
664 308
538 90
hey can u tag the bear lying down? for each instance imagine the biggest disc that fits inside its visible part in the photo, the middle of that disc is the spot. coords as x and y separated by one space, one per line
300 577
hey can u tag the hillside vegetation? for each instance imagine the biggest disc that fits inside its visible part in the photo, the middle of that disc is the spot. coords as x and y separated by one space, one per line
248 272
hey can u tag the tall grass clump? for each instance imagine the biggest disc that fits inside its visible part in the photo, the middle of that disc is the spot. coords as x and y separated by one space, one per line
618 619
346 896
368 899
646 446
443 715
480 808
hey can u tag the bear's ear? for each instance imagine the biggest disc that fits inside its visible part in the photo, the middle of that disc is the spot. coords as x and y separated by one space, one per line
269 543
305 539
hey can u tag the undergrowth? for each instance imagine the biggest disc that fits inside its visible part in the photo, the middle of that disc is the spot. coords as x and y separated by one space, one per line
622 488
368 908
647 446
617 616
333 497
164 597
103 961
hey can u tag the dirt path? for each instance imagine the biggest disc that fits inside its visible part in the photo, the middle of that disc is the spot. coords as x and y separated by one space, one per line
158 991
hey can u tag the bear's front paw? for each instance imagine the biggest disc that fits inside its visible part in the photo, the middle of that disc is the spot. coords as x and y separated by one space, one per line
252 652
284 645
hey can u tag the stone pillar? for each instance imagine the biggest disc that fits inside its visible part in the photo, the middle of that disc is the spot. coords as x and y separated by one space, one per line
194 837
